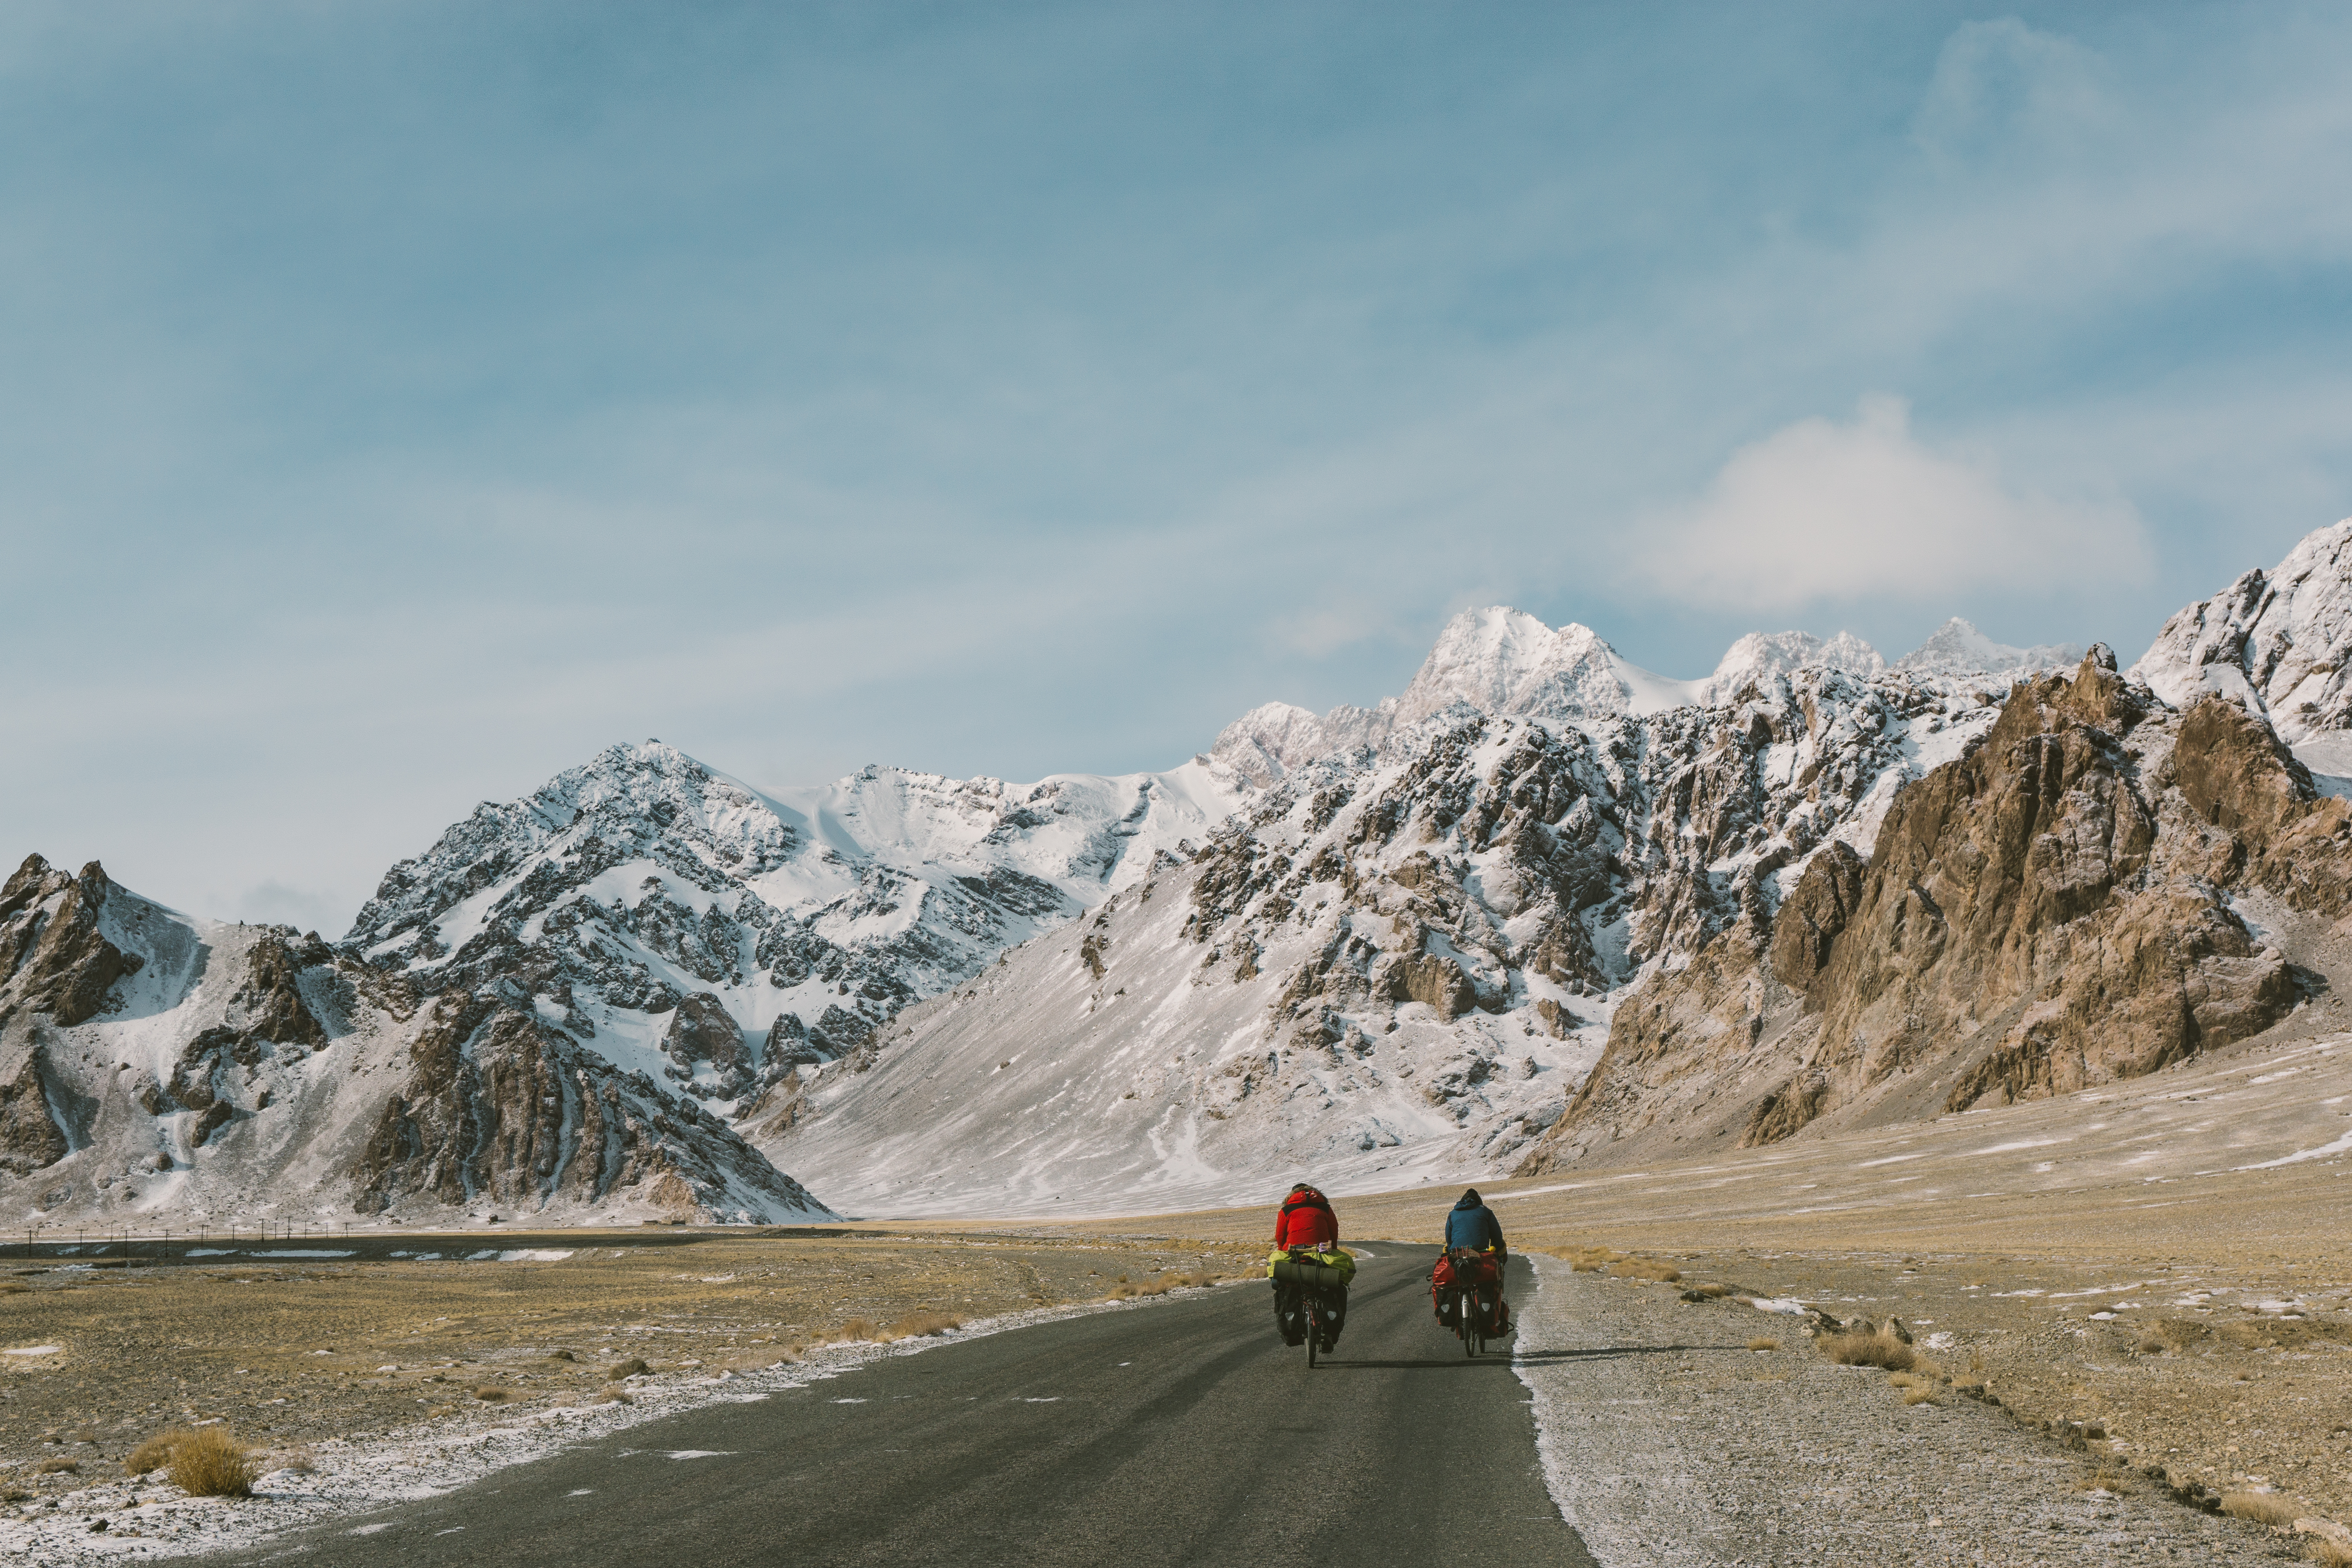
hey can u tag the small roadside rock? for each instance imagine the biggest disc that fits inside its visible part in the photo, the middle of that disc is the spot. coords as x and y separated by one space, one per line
1665 1440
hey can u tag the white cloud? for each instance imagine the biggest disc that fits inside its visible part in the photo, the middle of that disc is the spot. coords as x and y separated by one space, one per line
2001 85
1822 510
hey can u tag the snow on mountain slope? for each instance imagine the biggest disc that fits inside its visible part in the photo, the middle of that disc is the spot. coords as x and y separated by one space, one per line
1761 655
157 1068
2275 641
694 928
1119 1064
1391 965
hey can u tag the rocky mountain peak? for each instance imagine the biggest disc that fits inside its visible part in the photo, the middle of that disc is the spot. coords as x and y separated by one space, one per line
1501 661
1761 655
2277 641
1958 649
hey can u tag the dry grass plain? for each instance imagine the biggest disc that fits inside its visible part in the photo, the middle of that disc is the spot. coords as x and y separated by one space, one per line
285 1354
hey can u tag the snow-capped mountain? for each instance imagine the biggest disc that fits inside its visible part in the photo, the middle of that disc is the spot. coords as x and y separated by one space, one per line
694 928
1958 649
2275 641
159 1069
1390 966
1438 911
1406 950
2127 871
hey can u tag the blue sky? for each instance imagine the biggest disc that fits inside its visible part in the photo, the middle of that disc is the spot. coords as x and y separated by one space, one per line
401 402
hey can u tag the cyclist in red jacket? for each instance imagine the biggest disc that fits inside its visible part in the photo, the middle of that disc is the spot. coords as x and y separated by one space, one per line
1305 1219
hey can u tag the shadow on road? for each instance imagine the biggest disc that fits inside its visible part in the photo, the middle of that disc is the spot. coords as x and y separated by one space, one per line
1602 1352
1505 1359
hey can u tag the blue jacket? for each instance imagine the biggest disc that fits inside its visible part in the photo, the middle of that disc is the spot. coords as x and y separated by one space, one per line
1473 1225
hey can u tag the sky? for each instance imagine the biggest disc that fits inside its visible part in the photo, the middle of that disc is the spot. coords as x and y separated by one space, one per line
401 402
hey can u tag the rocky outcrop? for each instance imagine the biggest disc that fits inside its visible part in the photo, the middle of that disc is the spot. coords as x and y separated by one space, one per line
58 969
2273 831
700 1031
53 957
497 1107
30 1137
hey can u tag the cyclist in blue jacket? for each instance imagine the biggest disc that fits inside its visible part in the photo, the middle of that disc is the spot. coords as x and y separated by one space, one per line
1473 1225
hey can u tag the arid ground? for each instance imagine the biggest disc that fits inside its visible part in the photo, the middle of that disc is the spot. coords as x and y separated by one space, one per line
292 1351
2154 1277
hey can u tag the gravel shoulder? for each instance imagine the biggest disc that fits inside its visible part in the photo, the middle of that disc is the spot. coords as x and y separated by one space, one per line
1666 1440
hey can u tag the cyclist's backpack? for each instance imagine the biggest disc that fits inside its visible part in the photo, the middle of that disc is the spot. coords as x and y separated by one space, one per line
1324 1270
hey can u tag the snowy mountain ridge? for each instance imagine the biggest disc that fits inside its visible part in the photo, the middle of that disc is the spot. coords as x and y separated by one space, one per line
157 1066
702 930
1393 964
1500 660
1378 942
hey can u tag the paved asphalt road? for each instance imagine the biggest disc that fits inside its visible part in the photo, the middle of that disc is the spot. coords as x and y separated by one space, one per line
1179 1432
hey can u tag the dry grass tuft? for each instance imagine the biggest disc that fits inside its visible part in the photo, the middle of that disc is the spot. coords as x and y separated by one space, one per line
13 1494
13 1287
57 1464
633 1367
438 1411
490 1394
1877 1348
1919 1397
210 1463
922 1325
855 1331
1761 1344
2260 1508
2331 1554
1586 1259
615 1397
1646 1269
1716 1292
155 1452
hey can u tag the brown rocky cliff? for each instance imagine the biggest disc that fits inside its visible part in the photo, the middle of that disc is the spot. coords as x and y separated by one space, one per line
499 1108
2046 912
53 958
2273 831
57 970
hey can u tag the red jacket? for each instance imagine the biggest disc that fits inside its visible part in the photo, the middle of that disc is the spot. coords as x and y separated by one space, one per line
1306 1220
